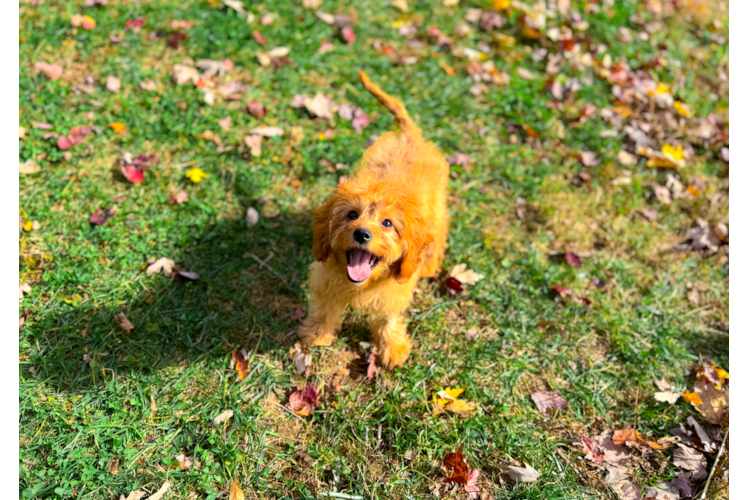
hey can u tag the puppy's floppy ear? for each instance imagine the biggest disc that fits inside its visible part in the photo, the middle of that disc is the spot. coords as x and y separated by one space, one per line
415 238
322 232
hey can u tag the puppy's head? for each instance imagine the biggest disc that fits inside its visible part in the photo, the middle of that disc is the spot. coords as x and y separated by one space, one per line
374 228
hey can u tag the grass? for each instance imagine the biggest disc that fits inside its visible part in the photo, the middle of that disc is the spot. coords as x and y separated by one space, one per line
92 394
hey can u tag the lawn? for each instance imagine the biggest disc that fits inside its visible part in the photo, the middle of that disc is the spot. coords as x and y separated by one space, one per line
589 146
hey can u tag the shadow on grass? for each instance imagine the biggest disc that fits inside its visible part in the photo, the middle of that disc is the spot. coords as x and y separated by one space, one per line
238 301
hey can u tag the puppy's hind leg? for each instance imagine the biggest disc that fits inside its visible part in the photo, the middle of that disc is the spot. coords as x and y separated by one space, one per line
390 337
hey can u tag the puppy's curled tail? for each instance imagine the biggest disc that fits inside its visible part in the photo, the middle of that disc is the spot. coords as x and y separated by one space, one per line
394 106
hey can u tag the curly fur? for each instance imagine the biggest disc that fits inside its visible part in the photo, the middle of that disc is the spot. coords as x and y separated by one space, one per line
403 179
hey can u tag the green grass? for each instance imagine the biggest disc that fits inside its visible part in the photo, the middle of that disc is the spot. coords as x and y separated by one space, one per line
91 393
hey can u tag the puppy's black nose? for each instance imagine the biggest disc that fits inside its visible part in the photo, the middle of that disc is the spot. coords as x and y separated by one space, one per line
362 235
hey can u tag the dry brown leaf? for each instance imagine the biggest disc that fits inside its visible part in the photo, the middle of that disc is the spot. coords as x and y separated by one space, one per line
523 473
225 415
124 323
548 400
236 492
161 492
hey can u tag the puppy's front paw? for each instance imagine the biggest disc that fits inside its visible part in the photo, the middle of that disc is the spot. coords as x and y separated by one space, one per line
394 353
316 335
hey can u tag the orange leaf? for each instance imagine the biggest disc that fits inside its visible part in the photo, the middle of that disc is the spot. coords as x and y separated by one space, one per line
449 70
238 360
118 127
692 398
236 492
456 467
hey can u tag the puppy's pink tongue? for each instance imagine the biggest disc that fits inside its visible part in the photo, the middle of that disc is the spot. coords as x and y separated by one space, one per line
358 267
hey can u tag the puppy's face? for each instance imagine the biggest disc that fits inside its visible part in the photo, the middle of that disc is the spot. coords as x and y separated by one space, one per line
374 231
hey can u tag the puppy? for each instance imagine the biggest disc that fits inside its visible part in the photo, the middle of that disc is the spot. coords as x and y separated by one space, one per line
382 230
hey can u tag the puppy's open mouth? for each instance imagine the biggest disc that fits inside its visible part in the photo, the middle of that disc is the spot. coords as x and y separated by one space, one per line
360 264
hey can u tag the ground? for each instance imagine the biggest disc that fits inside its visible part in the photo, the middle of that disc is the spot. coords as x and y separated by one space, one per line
543 199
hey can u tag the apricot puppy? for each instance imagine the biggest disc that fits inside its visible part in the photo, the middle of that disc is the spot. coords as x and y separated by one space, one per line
381 231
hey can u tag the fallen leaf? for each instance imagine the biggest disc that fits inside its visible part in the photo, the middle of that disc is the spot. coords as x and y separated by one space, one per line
187 275
320 106
573 259
465 276
372 369
548 400
51 71
348 35
691 460
225 415
266 131
256 109
525 73
695 435
113 83
180 197
134 495
211 68
174 39
562 290
325 47
225 123
453 286
161 492
252 217
626 158
113 466
520 474
237 5
259 38
118 127
360 120
715 399
634 438
311 4
29 167
589 158
239 361
236 492
459 159
162 265
302 359
661 491
303 402
456 468
99 217
231 90
124 323
183 74
471 486
196 175
662 194
618 480
254 143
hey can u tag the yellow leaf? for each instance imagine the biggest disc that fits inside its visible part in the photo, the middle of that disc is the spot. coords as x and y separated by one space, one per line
118 127
196 175
499 5
721 373
28 226
675 153
454 392
461 407
236 492
662 89
683 109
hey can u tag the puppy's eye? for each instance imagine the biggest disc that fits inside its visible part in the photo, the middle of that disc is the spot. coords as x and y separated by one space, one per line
352 215
387 223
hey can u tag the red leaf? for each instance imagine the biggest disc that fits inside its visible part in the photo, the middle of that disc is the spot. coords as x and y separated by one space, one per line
456 467
64 143
77 134
348 35
372 368
135 24
174 38
574 260
453 286
132 174
99 217
256 109
303 402
259 38
360 120
562 290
